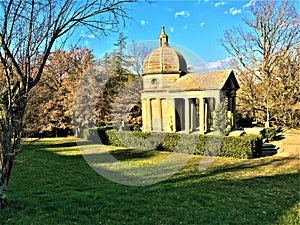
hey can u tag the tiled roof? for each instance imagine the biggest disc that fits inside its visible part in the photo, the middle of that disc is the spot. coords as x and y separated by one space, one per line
212 80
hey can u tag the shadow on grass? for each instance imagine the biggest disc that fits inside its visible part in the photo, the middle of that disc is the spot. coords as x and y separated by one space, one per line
246 165
53 143
129 154
54 188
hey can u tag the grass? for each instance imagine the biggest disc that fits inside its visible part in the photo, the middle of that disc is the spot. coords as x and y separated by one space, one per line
52 184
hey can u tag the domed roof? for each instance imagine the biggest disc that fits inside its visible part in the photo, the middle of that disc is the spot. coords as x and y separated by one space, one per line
164 59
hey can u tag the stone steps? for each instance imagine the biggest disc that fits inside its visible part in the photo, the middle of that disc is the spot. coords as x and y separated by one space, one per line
269 149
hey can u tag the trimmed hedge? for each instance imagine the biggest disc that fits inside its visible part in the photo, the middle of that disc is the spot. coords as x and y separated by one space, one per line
244 147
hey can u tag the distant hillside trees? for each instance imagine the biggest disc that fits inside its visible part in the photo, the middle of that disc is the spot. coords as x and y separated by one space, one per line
266 59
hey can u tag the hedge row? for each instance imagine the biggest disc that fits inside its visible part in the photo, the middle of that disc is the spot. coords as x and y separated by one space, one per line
244 147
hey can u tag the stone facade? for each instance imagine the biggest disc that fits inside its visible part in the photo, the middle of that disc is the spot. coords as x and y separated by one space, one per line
174 100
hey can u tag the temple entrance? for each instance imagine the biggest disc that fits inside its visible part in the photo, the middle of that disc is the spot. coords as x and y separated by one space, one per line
180 114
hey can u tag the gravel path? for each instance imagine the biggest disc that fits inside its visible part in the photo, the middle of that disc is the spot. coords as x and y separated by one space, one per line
290 144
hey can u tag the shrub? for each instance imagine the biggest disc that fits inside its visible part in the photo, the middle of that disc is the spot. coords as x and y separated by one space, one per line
244 147
270 133
220 118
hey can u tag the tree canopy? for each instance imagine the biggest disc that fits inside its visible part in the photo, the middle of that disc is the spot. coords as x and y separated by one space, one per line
266 58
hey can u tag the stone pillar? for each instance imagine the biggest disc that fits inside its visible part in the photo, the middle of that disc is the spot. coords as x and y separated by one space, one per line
205 117
192 119
186 115
159 109
229 104
231 109
201 116
149 115
234 111
144 115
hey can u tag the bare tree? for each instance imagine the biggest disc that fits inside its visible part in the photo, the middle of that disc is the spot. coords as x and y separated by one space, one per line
137 52
271 38
28 32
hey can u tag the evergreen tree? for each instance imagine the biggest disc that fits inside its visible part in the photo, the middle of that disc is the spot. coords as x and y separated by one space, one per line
220 118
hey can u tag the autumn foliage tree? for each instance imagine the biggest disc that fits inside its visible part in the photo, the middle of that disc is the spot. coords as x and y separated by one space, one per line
51 100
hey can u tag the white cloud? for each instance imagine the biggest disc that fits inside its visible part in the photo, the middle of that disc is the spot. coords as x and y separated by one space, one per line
251 3
202 24
172 29
108 27
202 1
83 34
220 64
183 13
143 22
92 36
220 3
199 1
233 11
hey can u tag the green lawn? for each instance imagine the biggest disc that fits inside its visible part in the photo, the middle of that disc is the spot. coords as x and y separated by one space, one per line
52 184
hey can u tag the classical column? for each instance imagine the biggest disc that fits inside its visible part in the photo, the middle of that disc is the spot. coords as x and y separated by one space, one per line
205 117
192 119
174 117
149 115
159 109
144 114
229 103
201 116
233 110
186 115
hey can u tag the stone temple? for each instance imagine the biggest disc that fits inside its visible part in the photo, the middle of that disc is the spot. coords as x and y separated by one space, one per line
174 100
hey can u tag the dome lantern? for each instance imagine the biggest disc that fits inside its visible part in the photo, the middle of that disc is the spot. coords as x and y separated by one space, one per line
163 38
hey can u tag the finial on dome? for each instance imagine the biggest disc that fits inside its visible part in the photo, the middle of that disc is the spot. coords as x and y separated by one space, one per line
163 38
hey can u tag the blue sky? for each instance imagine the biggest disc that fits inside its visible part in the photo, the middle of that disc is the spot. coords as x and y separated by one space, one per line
195 25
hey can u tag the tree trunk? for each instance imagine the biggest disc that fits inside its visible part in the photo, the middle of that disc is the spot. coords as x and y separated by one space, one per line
7 165
4 178
3 201
11 132
267 123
